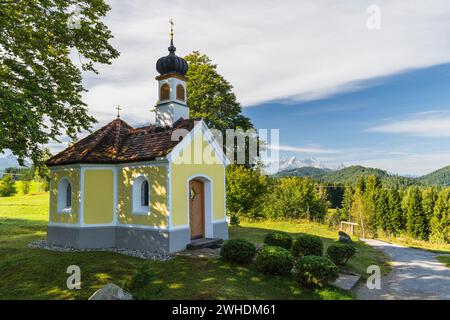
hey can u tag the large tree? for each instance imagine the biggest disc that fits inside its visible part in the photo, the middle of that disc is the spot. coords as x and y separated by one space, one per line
211 97
416 219
40 84
396 213
440 222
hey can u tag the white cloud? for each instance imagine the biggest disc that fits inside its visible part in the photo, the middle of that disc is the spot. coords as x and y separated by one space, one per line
268 50
429 124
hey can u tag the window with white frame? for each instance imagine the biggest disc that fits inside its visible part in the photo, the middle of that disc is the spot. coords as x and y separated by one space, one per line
64 194
141 195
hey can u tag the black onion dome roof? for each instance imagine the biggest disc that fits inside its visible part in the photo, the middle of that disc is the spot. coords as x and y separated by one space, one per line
171 63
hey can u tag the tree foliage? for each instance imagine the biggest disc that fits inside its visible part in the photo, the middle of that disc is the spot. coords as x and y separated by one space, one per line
416 220
42 56
295 198
397 223
245 188
7 186
440 222
211 97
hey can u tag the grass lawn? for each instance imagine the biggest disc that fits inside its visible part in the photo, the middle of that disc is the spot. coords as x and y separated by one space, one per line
39 274
419 244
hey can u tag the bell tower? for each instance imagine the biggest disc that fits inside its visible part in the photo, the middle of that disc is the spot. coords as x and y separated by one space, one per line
171 104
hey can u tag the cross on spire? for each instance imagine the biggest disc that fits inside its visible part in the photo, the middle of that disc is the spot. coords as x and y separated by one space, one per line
171 30
118 108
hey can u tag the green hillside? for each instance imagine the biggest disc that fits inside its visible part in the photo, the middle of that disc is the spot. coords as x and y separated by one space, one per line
439 177
349 175
315 173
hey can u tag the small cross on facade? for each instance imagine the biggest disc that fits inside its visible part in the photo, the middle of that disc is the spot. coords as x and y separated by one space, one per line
118 108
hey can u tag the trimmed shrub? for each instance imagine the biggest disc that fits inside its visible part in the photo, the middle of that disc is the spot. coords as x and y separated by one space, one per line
279 239
315 272
340 253
238 251
274 260
307 245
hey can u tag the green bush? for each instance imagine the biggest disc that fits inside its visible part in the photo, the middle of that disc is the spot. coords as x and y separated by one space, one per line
279 239
315 272
7 186
140 278
26 187
340 253
274 260
238 250
307 245
234 219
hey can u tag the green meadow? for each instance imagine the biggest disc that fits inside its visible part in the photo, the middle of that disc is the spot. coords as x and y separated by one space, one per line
27 273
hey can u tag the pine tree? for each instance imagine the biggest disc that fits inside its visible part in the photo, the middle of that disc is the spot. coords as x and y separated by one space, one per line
383 211
372 191
429 198
440 222
416 223
397 223
347 201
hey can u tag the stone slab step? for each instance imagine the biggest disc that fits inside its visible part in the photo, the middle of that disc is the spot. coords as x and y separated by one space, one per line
204 243
347 281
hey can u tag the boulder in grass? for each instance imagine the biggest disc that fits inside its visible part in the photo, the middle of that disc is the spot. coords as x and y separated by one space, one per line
111 292
344 238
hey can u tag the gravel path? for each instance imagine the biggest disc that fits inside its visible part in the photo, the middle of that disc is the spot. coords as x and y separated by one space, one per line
141 254
416 274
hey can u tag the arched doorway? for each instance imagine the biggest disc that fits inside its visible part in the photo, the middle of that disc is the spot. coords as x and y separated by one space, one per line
197 208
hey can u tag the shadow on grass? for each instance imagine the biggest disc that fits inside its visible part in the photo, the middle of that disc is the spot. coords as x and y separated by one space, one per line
27 273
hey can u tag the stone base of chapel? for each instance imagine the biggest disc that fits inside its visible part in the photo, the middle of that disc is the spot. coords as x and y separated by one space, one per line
162 241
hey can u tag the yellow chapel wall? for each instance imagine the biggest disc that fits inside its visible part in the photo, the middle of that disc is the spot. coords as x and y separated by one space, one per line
158 212
98 196
186 166
56 175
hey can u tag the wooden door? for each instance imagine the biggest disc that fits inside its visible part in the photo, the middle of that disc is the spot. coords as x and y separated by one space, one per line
196 209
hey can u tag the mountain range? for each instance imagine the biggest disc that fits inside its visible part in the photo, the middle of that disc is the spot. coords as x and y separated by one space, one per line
10 161
350 174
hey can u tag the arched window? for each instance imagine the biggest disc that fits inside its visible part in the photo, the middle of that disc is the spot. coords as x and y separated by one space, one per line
144 194
64 194
141 196
180 93
69 196
164 92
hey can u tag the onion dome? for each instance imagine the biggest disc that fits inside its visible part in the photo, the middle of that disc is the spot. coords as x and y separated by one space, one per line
171 63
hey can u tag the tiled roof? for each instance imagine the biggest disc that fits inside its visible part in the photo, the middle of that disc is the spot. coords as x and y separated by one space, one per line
117 142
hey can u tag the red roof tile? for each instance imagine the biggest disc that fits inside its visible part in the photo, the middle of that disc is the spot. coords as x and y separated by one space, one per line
117 142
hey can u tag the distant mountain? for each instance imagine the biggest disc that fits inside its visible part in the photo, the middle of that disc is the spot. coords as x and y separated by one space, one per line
10 161
351 174
311 172
439 177
292 163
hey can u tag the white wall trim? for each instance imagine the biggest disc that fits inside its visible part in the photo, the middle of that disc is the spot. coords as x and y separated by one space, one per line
136 208
201 127
81 208
141 226
169 196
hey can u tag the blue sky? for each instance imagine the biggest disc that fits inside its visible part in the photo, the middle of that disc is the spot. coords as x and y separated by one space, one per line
337 89
390 122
